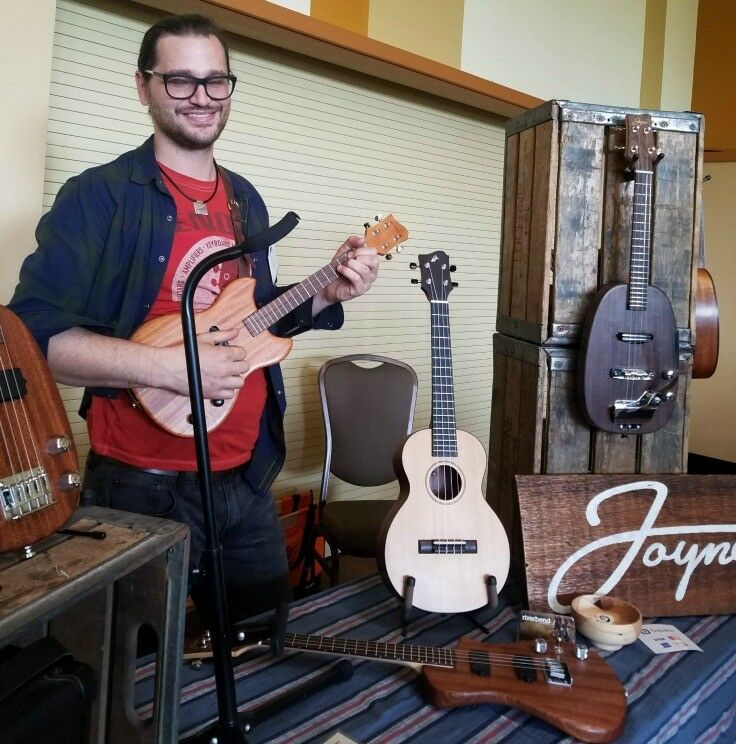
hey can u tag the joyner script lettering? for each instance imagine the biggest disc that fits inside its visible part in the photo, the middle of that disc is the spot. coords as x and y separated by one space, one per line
644 546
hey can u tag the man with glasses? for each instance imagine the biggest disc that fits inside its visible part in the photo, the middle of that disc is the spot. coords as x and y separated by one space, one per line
114 251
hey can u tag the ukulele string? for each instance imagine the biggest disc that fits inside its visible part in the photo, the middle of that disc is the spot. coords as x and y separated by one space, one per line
12 386
437 425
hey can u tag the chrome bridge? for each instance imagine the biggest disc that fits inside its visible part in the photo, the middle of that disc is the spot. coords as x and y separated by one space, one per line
24 493
632 374
447 547
627 412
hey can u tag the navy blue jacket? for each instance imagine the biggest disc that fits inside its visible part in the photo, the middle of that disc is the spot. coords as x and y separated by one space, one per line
101 257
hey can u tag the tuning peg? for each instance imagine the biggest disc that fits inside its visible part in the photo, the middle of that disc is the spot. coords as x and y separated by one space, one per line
378 218
413 265
658 157
389 257
415 281
453 267
366 225
399 248
454 284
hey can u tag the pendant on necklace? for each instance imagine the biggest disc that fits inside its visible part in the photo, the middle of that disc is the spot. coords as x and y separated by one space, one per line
200 207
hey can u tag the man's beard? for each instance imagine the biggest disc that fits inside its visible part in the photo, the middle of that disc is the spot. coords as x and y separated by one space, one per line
170 124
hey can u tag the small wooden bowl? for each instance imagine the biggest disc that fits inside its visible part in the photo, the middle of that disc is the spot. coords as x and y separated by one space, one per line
609 622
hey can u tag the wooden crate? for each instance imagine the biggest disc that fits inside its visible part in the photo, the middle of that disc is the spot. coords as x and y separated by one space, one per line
537 427
567 216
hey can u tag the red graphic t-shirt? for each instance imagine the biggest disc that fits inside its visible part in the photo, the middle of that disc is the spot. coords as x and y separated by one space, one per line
118 430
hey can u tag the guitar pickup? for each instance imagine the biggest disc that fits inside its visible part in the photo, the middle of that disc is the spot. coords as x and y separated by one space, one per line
12 385
480 664
632 373
525 668
447 547
634 338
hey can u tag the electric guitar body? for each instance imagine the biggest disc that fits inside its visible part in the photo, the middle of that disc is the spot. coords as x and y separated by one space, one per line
628 368
442 540
236 305
39 469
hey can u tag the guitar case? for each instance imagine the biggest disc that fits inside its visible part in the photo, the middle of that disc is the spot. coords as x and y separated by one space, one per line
45 695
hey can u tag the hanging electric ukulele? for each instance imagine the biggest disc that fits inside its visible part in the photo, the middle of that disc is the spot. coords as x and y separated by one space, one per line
628 369
39 470
442 537
236 305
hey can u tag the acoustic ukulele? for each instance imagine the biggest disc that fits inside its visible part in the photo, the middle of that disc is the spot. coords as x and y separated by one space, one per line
707 325
628 368
39 470
236 305
569 687
441 531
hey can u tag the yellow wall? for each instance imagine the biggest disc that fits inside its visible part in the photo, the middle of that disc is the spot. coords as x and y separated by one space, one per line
713 404
26 28
679 54
352 15
432 29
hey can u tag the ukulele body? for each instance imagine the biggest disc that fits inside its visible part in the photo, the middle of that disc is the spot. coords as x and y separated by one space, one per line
606 356
445 582
172 411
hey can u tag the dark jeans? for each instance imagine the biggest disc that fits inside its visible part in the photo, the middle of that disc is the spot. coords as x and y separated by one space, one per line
252 538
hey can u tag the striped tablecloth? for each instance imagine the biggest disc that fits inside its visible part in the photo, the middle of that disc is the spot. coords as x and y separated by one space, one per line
680 697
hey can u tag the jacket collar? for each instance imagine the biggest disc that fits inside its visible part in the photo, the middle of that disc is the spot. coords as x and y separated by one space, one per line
145 168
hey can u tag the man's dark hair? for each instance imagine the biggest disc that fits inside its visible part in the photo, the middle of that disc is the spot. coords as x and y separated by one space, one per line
183 25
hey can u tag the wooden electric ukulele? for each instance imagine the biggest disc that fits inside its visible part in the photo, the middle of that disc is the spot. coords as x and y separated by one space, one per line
236 305
442 532
567 686
39 470
629 369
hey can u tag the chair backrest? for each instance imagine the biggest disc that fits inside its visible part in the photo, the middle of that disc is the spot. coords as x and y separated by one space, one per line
368 413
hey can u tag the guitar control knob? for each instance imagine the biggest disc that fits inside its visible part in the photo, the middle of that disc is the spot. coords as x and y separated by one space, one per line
69 481
413 265
669 396
581 651
540 645
58 445
668 374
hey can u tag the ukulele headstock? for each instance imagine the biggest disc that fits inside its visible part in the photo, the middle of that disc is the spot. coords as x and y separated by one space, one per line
641 150
385 234
434 272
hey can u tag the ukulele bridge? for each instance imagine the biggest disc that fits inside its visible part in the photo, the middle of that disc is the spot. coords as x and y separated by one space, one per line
445 547
23 493
632 373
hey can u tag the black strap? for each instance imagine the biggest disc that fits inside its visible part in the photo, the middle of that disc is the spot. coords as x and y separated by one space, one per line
28 663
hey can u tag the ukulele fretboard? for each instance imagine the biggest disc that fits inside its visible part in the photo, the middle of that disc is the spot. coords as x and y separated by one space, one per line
444 428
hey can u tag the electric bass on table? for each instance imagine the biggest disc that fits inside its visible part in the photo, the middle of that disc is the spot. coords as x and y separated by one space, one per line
39 470
629 350
571 688
442 533
236 305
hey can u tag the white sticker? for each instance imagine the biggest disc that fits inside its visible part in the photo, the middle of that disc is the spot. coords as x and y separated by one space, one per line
273 262
665 639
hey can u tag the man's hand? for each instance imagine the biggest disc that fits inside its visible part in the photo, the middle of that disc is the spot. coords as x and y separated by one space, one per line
222 367
356 276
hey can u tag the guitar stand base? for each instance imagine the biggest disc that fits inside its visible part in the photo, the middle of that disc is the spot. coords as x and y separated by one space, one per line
408 603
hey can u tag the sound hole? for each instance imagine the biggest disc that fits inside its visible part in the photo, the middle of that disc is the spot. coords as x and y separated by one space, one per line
445 483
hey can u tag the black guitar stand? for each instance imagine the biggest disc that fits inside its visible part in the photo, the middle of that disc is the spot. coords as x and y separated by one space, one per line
231 726
407 603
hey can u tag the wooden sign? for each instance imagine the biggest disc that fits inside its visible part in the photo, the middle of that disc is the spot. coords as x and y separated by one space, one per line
664 543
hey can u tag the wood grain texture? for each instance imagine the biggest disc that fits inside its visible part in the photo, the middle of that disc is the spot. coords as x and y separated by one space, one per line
28 423
593 709
522 223
170 410
707 326
509 220
681 563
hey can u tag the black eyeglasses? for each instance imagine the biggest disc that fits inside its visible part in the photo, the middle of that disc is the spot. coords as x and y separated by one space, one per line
181 87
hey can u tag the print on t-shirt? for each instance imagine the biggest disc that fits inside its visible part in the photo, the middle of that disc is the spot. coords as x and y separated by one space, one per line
214 281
